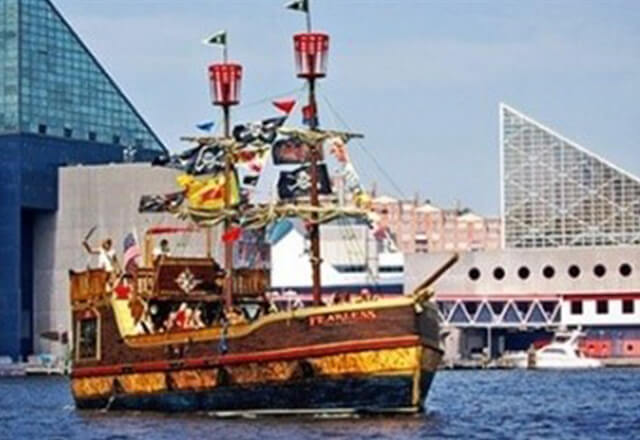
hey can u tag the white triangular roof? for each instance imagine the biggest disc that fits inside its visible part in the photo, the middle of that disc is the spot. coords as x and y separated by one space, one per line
470 217
427 208
574 144
556 193
384 200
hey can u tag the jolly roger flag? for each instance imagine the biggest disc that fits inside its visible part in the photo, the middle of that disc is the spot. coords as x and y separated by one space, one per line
297 183
262 131
203 159
161 202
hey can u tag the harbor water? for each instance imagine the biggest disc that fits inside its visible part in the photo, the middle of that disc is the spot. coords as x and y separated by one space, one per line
509 404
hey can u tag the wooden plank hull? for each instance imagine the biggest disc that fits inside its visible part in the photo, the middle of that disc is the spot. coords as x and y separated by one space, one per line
371 357
375 394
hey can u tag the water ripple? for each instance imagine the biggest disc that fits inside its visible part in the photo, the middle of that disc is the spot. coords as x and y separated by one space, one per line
463 404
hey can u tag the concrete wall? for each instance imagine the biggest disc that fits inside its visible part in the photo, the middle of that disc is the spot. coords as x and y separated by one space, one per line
103 196
28 190
458 281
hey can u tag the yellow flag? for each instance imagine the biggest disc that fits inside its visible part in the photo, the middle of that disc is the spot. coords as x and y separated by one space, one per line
208 193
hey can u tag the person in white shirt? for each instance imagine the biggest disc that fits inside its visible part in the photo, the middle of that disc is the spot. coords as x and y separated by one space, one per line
107 259
162 249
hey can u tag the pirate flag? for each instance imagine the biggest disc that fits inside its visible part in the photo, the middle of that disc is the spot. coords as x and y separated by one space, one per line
203 159
264 131
161 202
297 183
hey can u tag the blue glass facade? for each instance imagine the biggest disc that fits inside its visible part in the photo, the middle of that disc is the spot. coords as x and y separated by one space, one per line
57 106
9 66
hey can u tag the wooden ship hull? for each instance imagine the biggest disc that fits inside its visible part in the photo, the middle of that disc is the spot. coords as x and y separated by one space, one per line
369 356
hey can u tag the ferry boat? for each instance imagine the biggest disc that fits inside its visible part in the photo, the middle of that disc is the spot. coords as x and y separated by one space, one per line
186 334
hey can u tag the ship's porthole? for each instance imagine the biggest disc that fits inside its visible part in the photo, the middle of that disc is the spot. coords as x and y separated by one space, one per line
498 273
574 271
524 272
548 271
599 270
474 273
625 269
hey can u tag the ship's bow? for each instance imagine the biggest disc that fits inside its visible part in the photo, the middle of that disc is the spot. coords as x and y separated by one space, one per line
431 354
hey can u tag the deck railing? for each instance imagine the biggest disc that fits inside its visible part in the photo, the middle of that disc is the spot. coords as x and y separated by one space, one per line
89 285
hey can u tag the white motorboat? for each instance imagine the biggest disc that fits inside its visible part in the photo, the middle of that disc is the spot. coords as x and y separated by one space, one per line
44 365
562 352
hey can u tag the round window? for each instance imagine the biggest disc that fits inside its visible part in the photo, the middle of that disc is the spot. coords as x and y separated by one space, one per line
625 269
548 271
599 270
574 271
498 273
524 272
474 273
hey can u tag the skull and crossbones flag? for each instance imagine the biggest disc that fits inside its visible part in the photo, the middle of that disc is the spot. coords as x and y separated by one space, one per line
264 131
161 202
203 159
297 183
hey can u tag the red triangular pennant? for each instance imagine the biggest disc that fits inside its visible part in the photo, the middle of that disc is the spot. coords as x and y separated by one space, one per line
232 234
285 105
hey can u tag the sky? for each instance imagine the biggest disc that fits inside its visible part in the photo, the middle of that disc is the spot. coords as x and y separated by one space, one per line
421 79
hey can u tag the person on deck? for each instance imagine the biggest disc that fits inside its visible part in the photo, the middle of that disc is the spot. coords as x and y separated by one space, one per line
162 250
181 317
107 259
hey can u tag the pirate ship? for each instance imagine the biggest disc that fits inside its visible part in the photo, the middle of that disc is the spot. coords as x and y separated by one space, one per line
184 334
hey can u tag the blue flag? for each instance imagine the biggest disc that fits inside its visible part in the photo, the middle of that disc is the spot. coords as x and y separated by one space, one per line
206 125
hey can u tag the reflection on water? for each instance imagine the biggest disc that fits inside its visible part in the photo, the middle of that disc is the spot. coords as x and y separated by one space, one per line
462 404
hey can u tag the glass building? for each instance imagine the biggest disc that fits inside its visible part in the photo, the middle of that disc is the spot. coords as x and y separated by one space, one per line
556 193
57 106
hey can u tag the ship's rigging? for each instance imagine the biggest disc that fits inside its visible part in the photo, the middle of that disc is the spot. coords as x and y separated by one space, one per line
211 192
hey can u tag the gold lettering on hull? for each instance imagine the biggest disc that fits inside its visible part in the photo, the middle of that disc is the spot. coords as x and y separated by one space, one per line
342 318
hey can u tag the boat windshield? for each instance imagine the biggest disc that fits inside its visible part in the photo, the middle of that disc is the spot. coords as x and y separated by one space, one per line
554 351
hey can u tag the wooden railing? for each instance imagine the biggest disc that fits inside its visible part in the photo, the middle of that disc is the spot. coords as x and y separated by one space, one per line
163 280
250 282
89 285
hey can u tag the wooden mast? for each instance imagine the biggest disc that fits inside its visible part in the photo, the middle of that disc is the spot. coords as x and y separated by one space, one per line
314 229
227 292
225 82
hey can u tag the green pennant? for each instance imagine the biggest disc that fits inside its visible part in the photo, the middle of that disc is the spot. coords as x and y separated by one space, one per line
219 37
298 5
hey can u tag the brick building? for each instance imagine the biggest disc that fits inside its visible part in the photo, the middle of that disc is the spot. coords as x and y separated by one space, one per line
422 227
